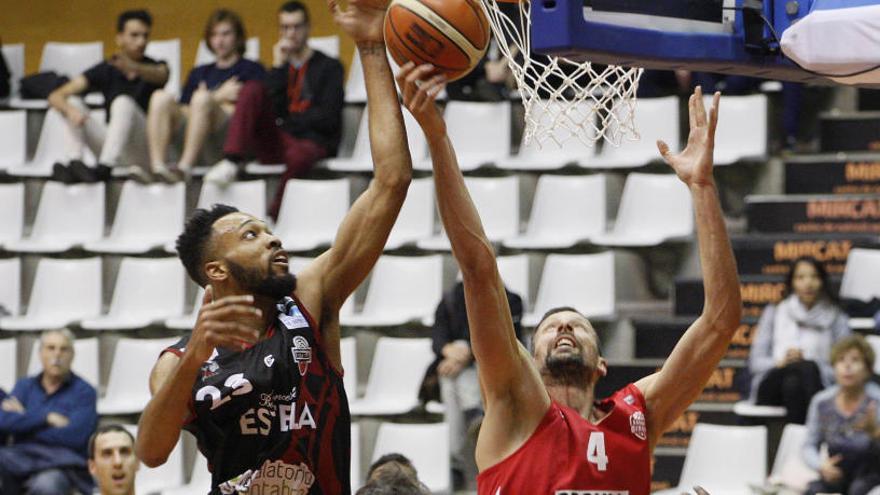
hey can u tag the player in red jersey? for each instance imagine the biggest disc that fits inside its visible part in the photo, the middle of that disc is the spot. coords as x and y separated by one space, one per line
544 433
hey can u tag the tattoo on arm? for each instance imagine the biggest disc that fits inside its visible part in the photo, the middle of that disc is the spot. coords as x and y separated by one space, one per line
371 48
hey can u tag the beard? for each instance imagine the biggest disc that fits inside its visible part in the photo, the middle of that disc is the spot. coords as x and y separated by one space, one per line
268 285
567 369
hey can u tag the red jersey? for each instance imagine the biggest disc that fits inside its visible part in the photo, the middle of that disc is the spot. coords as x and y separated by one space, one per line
569 455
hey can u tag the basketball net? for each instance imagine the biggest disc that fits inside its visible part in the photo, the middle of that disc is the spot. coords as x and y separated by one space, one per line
564 99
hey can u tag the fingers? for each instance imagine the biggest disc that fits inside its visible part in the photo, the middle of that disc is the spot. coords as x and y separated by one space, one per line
208 297
402 74
427 92
230 335
412 83
713 114
663 148
699 107
234 311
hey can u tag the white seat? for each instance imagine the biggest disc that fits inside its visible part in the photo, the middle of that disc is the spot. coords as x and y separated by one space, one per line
566 210
550 155
8 364
874 340
416 219
247 196
582 281
298 263
396 374
725 460
147 290
789 468
361 159
147 217
349 365
14 56
748 409
355 455
10 289
655 118
13 138
128 388
168 475
11 212
402 289
355 87
514 271
85 361
64 291
187 321
311 212
479 131
861 274
426 445
167 51
199 481
251 52
653 208
67 217
742 129
51 148
497 202
328 45
71 59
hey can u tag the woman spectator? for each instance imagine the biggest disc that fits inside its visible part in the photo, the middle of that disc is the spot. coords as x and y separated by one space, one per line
789 357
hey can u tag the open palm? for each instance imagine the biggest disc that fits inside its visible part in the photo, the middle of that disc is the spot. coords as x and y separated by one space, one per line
694 164
360 19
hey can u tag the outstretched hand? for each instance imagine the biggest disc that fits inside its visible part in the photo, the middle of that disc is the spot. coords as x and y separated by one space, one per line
694 164
361 19
419 90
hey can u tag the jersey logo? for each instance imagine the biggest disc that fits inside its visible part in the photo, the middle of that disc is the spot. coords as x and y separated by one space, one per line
638 425
302 354
209 369
629 399
269 360
294 320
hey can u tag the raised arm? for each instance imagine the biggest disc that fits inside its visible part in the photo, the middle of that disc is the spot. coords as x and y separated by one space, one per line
514 396
683 376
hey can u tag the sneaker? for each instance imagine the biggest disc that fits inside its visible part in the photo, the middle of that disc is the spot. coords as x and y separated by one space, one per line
103 172
137 174
223 173
169 175
61 173
80 172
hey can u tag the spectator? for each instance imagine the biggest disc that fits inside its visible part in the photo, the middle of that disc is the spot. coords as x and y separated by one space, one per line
845 419
50 417
459 385
112 461
393 474
127 80
294 118
207 101
789 357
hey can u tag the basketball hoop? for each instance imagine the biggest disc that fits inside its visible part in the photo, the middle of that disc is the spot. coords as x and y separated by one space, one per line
563 99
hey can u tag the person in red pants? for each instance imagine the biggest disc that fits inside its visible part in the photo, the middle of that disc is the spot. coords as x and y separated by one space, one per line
293 117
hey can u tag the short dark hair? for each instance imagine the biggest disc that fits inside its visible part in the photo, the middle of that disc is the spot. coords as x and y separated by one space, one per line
191 244
820 270
858 343
133 15
226 15
107 429
295 6
563 309
394 483
393 457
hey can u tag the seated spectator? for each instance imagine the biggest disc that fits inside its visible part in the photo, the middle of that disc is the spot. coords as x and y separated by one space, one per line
789 356
112 461
50 417
845 419
459 384
294 118
206 104
393 474
127 80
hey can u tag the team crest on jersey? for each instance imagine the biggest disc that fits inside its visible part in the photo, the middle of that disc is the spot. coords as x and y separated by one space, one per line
294 320
209 369
638 425
302 354
269 360
629 399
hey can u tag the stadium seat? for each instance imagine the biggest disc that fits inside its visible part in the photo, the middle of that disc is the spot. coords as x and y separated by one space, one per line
199 481
874 340
789 468
725 460
148 290
497 201
861 275
550 155
128 388
480 133
10 289
85 361
582 281
426 445
64 291
328 45
311 212
168 475
187 321
51 148
349 366
514 272
655 118
402 289
361 159
147 217
654 208
13 138
416 219
396 374
67 217
11 212
748 409
247 196
169 52
742 129
71 59
251 52
298 263
356 479
13 53
8 364
355 87
566 210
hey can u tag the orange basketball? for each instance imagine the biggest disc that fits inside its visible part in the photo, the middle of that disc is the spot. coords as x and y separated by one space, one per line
452 35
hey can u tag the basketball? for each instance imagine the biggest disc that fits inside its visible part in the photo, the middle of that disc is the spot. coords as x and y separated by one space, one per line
452 35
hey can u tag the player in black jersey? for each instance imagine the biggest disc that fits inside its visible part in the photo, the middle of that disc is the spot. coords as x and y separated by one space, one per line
259 381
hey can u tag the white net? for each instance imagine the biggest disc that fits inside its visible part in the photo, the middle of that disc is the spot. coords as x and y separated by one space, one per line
563 99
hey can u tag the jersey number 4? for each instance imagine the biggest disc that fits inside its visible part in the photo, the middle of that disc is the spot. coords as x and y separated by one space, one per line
596 450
